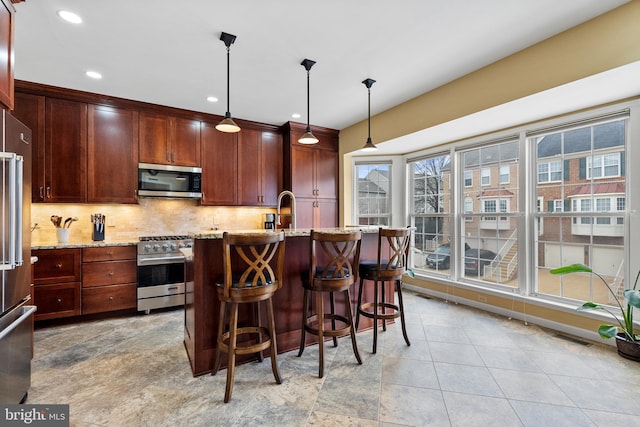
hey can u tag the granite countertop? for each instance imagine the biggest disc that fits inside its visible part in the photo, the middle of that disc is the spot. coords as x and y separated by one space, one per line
83 244
299 232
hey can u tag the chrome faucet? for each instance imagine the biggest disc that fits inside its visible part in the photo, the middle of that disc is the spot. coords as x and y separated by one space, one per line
293 208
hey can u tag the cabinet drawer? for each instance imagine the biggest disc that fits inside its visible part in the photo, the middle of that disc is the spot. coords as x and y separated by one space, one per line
108 273
56 266
59 300
108 298
109 253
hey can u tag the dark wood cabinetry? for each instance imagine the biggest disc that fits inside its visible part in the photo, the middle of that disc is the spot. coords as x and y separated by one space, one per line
169 140
29 109
112 157
108 279
56 278
259 167
311 173
65 152
6 53
219 167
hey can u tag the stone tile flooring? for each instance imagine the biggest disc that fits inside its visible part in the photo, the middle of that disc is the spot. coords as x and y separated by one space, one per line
465 367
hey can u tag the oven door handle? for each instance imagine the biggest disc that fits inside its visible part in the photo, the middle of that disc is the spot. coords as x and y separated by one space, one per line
158 261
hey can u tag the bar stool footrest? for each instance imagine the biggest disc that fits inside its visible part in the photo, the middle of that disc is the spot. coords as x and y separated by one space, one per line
249 349
338 332
381 316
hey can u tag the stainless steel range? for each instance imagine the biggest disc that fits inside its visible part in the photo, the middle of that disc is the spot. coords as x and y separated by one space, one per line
161 271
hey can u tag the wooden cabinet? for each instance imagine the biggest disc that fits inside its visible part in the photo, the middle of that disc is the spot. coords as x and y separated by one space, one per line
6 53
65 152
259 167
169 140
56 278
112 155
311 173
29 109
219 167
108 279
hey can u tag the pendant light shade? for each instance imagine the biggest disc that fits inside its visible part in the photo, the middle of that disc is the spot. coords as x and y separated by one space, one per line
369 145
308 137
227 124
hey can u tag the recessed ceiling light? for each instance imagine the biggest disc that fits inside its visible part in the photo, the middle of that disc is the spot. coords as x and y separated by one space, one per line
295 115
94 74
69 16
212 99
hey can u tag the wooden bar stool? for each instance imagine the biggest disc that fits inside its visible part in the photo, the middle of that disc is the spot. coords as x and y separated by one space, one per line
386 268
334 268
253 268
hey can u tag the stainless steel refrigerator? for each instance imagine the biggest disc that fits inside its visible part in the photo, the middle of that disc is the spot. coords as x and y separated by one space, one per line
16 319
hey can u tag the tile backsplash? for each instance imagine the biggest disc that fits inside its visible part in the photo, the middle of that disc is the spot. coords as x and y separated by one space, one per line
149 217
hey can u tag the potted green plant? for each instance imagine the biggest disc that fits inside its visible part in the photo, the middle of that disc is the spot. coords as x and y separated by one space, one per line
627 341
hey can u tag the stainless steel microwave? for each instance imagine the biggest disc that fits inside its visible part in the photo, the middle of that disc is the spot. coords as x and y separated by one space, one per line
169 181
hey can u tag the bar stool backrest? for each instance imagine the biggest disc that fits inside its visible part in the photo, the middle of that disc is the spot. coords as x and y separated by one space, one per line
335 257
253 264
393 264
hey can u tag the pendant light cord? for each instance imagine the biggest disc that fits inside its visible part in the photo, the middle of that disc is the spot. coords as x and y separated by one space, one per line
308 92
228 74
369 113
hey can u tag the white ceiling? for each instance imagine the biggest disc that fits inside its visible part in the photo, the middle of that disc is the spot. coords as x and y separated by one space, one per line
169 53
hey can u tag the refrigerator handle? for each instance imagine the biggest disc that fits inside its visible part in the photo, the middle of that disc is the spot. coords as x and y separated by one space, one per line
14 256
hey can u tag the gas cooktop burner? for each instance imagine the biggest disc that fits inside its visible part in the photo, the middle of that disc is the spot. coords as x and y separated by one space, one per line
160 238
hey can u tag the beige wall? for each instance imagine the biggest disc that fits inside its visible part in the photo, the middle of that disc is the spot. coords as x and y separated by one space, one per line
604 43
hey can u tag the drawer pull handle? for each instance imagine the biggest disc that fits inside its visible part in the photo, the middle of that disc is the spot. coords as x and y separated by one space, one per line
59 300
111 254
58 265
110 298
110 273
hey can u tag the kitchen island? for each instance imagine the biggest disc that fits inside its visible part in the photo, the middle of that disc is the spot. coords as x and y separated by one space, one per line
204 268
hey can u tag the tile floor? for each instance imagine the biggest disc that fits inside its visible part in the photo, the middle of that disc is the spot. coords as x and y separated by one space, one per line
465 367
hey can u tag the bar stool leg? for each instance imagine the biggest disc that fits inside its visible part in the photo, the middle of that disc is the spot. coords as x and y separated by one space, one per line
320 315
384 309
401 306
272 337
332 304
354 344
233 335
303 330
216 360
359 302
256 313
375 315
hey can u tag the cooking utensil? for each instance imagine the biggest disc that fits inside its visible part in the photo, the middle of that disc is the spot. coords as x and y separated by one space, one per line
56 220
68 221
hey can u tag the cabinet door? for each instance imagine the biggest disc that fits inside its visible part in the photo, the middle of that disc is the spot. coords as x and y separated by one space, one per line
56 300
6 53
326 213
305 210
65 151
154 138
112 155
326 174
219 167
271 167
29 109
302 163
249 191
56 266
185 143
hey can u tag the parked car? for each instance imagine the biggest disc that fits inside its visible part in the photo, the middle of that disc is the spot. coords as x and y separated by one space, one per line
475 261
440 258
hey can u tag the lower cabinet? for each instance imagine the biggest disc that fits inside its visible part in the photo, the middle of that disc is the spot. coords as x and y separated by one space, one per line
108 279
56 278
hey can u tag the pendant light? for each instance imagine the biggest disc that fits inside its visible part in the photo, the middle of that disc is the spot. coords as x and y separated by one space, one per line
227 124
308 137
369 145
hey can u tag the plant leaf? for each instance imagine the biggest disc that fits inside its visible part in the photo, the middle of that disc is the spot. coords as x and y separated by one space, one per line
590 306
632 297
573 268
607 331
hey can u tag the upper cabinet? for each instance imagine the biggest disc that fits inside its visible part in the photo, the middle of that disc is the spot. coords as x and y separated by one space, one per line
169 140
29 109
311 173
6 54
219 167
259 167
112 156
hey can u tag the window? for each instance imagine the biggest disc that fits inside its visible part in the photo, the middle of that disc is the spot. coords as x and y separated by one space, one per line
604 166
504 174
430 212
558 205
373 194
549 172
485 178
468 178
468 207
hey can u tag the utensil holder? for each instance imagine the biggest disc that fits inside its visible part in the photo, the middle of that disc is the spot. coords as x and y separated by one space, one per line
98 232
62 234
